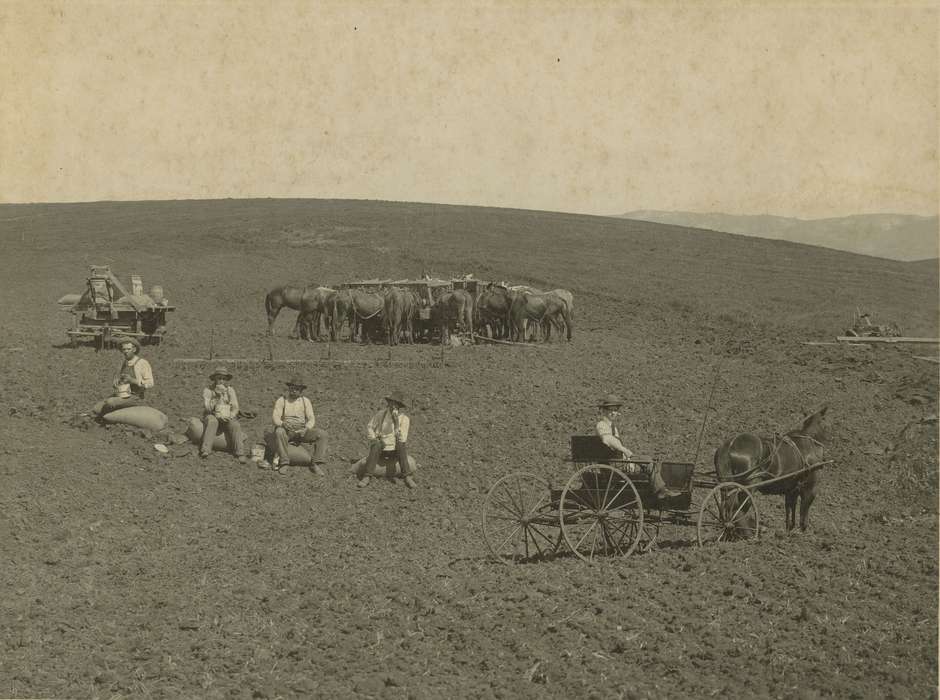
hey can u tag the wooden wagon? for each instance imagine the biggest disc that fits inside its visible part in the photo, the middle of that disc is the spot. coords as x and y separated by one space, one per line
610 506
107 313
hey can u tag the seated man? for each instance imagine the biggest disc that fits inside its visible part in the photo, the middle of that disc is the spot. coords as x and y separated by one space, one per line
294 424
610 408
134 378
220 409
388 443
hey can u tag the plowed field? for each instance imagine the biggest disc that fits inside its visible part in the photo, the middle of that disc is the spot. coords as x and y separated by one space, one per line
128 573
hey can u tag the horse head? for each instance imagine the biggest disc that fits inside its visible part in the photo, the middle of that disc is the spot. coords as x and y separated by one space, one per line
815 426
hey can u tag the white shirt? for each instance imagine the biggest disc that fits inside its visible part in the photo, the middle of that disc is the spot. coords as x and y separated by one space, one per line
383 426
295 413
143 373
609 434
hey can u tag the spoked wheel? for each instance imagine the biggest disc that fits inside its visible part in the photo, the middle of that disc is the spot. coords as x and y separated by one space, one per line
600 513
728 514
518 519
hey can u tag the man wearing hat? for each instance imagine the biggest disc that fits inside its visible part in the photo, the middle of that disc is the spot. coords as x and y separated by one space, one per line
294 423
388 442
610 407
220 404
134 378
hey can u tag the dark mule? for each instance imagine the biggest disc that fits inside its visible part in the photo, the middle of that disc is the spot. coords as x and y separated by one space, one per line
750 459
278 298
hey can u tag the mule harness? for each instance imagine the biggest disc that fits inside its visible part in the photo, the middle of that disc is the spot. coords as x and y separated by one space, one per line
778 441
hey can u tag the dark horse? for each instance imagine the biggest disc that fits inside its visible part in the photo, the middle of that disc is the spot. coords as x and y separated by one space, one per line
750 459
278 298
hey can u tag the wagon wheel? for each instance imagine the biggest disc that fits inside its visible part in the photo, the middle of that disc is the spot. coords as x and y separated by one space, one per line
728 514
600 513
518 519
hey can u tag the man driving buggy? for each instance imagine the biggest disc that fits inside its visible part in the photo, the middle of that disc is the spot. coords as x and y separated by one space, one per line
607 431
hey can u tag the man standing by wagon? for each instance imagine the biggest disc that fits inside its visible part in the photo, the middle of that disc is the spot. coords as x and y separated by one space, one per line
294 424
134 378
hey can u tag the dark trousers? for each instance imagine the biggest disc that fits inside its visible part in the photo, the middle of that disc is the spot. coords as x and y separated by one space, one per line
277 440
400 454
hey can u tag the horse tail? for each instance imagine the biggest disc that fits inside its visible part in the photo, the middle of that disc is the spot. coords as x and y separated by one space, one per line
271 307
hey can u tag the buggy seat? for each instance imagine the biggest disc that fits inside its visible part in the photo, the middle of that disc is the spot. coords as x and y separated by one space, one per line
591 449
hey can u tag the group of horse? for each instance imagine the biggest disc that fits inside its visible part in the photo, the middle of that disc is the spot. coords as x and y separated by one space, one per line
395 314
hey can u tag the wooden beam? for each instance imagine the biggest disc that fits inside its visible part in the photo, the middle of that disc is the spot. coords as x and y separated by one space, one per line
876 339
506 342
263 361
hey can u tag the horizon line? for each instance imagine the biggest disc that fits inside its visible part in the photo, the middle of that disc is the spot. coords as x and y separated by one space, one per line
456 204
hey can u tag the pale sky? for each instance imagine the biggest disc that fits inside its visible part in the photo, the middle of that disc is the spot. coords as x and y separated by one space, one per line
593 107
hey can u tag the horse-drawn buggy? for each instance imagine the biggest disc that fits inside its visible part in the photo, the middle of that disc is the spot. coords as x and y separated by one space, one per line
610 506
106 312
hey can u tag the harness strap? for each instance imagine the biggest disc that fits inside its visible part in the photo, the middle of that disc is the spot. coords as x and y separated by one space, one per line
365 318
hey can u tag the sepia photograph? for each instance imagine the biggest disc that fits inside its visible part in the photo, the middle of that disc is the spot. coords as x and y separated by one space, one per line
428 349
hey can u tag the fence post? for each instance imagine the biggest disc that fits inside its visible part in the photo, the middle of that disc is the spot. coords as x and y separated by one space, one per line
211 344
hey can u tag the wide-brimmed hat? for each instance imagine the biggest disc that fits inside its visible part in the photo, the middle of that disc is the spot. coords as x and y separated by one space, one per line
132 341
221 371
296 380
610 401
397 397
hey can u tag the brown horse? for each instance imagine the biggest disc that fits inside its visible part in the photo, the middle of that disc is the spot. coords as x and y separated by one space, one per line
750 459
453 311
400 305
540 308
492 309
315 304
342 312
278 298
556 322
368 315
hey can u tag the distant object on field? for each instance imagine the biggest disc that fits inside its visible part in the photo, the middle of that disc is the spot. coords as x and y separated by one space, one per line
862 327
893 236
106 313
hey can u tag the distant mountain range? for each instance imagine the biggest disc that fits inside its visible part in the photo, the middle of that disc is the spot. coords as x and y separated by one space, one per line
893 236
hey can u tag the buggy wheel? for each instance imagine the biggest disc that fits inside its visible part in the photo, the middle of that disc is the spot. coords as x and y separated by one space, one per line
728 514
518 519
600 512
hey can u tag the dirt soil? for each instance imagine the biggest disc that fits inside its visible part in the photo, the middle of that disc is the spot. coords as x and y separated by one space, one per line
128 573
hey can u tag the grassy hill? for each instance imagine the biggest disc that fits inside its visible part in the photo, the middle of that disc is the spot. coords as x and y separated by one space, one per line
652 270
891 236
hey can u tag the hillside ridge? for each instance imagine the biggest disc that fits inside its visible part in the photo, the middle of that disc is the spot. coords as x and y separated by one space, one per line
905 237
